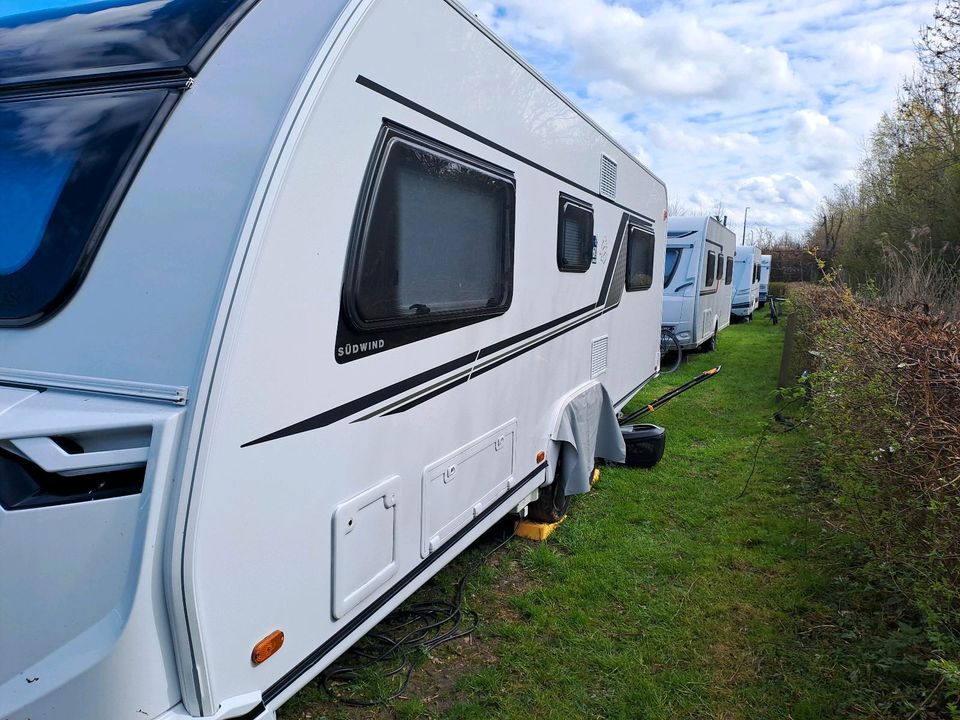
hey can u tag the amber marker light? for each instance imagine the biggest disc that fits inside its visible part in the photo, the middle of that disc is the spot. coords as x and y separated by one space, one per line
540 456
264 649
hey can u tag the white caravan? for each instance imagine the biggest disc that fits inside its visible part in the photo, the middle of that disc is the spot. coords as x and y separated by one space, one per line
698 279
298 298
764 277
746 281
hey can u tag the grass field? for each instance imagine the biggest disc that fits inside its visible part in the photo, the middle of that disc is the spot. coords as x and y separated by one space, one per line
667 593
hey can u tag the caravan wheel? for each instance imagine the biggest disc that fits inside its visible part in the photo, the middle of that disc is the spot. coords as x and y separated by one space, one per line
553 503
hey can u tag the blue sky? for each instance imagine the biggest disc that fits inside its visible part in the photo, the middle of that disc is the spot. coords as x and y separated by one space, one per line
757 103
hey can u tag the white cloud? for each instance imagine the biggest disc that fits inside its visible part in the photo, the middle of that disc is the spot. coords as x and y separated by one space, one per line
693 139
820 145
668 53
744 102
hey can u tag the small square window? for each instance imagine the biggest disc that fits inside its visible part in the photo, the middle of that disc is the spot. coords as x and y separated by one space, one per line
574 235
710 276
640 244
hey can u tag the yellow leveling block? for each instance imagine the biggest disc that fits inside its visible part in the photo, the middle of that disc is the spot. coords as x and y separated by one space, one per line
531 530
537 531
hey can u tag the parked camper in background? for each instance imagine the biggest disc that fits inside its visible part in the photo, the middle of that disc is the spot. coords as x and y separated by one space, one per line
279 343
764 277
746 281
698 280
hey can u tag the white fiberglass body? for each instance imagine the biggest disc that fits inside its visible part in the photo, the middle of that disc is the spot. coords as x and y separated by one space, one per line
275 393
765 261
746 281
698 279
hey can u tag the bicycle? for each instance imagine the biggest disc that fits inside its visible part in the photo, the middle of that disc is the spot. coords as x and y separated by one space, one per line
669 345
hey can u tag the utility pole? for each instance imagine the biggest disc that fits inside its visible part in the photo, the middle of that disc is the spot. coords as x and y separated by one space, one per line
743 240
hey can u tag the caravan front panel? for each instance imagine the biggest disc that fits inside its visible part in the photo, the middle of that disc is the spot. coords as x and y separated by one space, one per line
698 279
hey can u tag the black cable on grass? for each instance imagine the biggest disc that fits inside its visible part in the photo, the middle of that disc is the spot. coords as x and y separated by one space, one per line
389 653
788 424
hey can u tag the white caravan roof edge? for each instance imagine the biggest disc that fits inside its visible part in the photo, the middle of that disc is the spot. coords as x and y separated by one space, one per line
551 87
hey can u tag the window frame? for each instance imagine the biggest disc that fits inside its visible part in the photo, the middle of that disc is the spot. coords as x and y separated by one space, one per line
570 201
440 322
631 226
676 265
710 273
721 259
120 176
728 271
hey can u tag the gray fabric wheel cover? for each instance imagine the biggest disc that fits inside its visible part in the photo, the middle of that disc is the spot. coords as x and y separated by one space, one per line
587 429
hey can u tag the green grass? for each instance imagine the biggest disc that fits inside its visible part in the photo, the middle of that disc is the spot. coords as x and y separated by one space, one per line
665 594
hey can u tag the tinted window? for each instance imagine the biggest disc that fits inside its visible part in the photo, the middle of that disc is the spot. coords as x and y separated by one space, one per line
640 242
437 240
85 39
710 275
670 267
720 266
728 279
64 164
574 235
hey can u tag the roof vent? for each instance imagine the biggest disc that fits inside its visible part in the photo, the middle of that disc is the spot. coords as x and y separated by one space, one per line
608 176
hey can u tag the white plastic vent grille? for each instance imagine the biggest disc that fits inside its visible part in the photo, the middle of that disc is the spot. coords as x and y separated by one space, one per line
598 356
608 177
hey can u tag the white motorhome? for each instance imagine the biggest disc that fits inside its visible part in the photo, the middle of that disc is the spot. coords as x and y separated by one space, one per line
746 281
698 280
297 299
764 277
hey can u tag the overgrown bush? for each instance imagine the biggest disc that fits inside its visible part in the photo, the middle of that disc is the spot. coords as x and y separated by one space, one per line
777 289
885 401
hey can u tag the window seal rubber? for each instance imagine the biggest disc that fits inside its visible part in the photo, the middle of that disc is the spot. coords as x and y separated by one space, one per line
389 133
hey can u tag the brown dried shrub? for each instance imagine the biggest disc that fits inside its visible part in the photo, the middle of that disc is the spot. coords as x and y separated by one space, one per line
885 401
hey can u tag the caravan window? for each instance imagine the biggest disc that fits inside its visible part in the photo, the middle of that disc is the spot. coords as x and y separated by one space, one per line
64 165
710 275
720 267
670 267
640 241
728 278
67 39
435 240
574 235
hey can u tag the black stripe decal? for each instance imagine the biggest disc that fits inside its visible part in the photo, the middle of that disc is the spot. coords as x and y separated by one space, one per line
428 396
255 713
403 407
612 265
396 97
443 383
362 403
321 652
527 348
503 344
